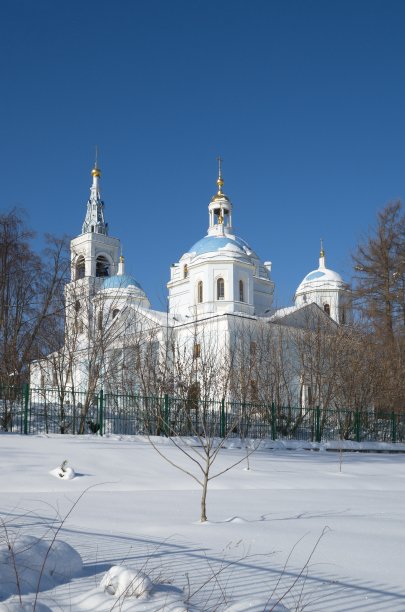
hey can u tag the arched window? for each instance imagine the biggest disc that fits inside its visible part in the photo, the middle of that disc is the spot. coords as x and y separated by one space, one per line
220 289
100 320
115 312
185 271
241 292
200 294
80 267
77 305
102 266
326 308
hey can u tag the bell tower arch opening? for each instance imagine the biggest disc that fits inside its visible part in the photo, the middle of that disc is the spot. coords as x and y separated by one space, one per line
102 266
80 268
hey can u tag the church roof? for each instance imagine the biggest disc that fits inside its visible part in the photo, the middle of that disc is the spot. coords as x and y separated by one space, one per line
319 279
322 274
304 317
211 244
120 281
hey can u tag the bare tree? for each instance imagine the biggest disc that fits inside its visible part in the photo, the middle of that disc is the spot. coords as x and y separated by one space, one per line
202 365
316 349
380 273
94 353
30 290
31 286
380 298
359 376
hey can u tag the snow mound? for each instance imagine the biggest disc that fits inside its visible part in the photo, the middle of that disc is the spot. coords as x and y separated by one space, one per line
67 473
234 519
39 564
122 581
27 605
256 605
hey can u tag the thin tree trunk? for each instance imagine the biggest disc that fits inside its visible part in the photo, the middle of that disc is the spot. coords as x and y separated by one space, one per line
203 517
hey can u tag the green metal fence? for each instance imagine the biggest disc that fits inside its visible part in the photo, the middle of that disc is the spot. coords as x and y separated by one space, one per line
30 411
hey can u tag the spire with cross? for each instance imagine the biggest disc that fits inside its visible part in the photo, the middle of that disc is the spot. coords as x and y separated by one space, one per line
220 181
322 256
94 220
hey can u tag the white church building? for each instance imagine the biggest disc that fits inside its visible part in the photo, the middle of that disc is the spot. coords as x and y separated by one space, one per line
217 288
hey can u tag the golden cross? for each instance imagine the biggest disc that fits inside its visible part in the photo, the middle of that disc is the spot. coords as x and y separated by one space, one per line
219 159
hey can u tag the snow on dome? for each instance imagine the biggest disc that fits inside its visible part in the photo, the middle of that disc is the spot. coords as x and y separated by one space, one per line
323 274
123 286
120 281
319 277
211 244
313 275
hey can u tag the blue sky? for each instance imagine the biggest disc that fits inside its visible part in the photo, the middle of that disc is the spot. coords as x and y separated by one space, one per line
304 101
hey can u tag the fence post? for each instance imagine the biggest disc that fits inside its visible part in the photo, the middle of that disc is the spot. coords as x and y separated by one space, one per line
26 392
101 407
273 422
357 425
222 422
74 412
166 417
317 424
394 427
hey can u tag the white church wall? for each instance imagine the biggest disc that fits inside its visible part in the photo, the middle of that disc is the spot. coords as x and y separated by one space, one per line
196 341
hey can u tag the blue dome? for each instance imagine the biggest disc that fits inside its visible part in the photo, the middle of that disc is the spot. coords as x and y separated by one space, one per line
322 277
314 275
120 281
211 244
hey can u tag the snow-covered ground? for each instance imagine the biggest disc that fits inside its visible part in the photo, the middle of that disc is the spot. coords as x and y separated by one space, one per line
293 529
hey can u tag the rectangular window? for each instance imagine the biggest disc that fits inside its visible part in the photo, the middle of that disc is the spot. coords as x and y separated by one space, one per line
241 292
197 351
200 292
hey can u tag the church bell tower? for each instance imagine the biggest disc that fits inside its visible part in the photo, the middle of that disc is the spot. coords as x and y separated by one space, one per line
94 255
